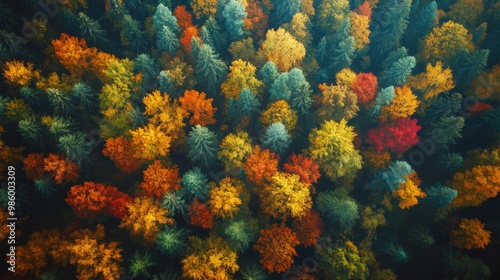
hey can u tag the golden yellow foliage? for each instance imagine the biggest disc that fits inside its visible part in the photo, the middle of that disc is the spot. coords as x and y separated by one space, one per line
286 197
283 49
337 102
433 81
20 73
145 218
299 28
150 142
409 192
242 75
445 41
476 185
16 110
279 111
405 104
166 115
234 149
224 200
360 30
210 259
202 8
345 77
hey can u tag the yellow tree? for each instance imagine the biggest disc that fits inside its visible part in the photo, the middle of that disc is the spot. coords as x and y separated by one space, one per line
202 8
286 197
145 218
279 111
210 259
345 77
20 73
283 49
224 200
167 115
445 41
337 102
360 30
242 75
331 146
433 81
150 142
234 149
409 192
299 28
404 104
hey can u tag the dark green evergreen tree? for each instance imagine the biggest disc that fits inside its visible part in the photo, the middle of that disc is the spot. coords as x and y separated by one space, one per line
467 65
338 208
30 129
268 73
389 25
277 138
445 131
342 48
134 35
166 40
164 17
92 31
420 24
398 72
202 145
210 70
283 11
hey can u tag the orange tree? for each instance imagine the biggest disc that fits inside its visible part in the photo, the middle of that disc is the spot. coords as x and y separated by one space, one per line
276 245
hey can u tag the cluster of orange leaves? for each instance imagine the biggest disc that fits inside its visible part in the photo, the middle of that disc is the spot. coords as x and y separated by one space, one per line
118 150
159 179
476 185
470 235
261 165
276 246
92 200
61 170
305 167
196 105
185 21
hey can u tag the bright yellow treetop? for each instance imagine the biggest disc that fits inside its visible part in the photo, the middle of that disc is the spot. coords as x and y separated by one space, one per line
279 111
242 75
405 104
285 197
224 200
283 49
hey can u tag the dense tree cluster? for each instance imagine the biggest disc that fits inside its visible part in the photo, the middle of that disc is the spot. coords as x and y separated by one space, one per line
228 139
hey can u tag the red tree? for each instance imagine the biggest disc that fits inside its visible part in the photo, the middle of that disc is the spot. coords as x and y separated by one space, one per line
276 246
199 215
365 9
304 166
398 137
309 228
365 87
91 200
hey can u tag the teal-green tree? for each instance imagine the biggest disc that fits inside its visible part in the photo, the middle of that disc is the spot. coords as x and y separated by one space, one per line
339 208
234 19
277 138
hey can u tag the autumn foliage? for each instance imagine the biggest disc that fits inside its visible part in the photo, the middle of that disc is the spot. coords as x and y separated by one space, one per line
365 87
73 53
261 165
470 234
308 228
303 166
159 179
34 166
276 246
476 185
91 200
198 107
397 137
118 150
409 191
199 215
61 170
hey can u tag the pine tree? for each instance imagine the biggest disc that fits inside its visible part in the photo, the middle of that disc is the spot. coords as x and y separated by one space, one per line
92 31
202 144
446 130
247 104
166 40
30 129
164 17
76 147
283 11
234 19
84 94
342 48
467 65
210 70
134 35
194 184
397 73
338 208
277 138
439 196
421 25
269 73
388 30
